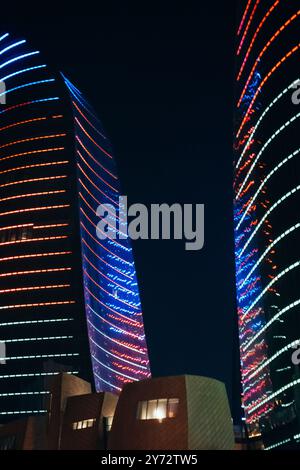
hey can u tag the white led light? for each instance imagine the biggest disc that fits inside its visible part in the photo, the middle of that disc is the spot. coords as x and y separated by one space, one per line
268 108
266 144
269 248
278 444
276 204
253 199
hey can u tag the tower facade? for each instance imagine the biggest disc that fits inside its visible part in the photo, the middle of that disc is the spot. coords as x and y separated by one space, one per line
69 300
266 216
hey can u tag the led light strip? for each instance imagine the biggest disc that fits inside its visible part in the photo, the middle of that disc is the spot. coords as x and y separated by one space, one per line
278 444
35 271
117 231
108 383
40 227
271 173
126 346
34 209
269 248
22 412
267 109
26 85
134 379
33 240
271 283
115 327
91 139
29 322
20 57
102 246
75 92
43 338
37 374
31 139
19 72
27 103
131 321
21 123
101 259
94 159
10 227
17 394
120 330
272 320
276 204
39 356
275 4
27 167
23 196
95 173
273 395
4 36
97 200
267 45
32 152
36 255
33 180
89 122
11 46
263 82
267 143
123 288
96 187
244 17
39 304
109 293
117 357
248 26
32 288
293 344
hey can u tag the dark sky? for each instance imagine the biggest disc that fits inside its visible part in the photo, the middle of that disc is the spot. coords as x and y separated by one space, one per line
162 83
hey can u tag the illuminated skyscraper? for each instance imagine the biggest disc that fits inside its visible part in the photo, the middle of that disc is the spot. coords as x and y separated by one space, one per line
266 213
68 299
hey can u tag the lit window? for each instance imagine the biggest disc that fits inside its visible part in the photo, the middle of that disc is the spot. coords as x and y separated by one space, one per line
172 407
151 409
142 410
86 423
157 409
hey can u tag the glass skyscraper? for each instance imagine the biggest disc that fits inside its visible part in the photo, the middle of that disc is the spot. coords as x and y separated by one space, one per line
266 216
69 300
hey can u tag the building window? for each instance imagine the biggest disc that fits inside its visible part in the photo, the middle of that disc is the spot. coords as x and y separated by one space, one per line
86 423
157 409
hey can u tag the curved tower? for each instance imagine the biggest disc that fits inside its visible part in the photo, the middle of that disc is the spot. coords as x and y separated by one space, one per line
266 216
68 300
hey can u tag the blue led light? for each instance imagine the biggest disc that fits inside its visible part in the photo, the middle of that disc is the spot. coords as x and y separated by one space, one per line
23 56
113 306
4 36
29 69
27 85
12 46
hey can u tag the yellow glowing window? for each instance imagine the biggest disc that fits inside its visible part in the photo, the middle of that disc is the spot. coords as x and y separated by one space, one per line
86 423
158 409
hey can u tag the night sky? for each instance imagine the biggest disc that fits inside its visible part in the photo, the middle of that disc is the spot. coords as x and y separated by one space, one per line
162 84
